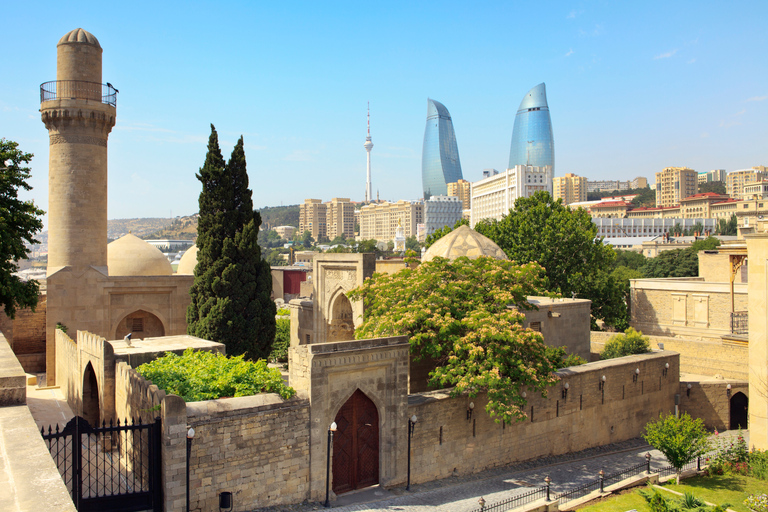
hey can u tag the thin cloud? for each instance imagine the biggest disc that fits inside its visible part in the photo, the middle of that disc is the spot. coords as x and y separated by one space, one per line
571 15
570 52
665 55
691 61
705 135
728 123
758 98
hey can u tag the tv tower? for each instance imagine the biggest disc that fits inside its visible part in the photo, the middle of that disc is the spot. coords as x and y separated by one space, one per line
368 146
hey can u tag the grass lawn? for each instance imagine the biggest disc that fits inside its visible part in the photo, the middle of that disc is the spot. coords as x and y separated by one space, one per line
732 489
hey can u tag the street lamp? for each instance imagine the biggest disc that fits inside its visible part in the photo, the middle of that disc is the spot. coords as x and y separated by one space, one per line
331 430
190 437
411 427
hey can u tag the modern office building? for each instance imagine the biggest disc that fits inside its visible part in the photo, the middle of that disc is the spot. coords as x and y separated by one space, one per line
493 197
440 163
532 140
462 190
570 188
379 221
441 211
674 184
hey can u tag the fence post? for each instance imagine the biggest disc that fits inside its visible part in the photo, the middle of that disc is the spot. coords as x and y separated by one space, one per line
648 463
547 480
602 479
698 463
481 501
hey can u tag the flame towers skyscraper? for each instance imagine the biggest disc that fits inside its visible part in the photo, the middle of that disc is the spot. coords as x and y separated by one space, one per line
440 163
532 140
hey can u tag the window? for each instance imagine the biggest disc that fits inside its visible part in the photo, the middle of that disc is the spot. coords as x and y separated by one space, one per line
535 326
137 325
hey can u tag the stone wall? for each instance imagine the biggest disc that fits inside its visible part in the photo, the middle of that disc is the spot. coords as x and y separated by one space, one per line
135 397
687 307
26 335
256 447
13 380
703 357
709 400
446 442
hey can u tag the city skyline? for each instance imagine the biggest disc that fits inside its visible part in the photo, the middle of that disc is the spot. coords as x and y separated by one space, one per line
633 89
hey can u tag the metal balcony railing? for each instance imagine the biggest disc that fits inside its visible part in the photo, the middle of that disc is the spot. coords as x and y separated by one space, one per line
740 322
78 90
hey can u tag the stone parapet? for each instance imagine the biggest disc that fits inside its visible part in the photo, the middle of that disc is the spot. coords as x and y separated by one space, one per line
13 379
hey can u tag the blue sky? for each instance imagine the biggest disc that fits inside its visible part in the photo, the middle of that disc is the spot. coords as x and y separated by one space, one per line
632 87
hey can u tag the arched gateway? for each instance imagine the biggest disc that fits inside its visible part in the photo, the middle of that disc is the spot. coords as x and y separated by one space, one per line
356 445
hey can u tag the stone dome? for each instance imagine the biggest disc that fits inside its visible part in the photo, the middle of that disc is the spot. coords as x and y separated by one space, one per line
132 256
80 36
464 241
188 261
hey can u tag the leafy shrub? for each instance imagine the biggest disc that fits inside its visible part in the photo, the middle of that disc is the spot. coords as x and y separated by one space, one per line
283 312
631 342
731 457
656 502
201 375
562 359
689 501
758 465
282 341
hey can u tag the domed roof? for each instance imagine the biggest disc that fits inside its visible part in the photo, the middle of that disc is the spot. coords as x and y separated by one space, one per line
132 256
464 241
188 261
80 36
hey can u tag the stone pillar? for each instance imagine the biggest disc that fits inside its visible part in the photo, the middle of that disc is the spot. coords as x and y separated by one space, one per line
757 250
79 120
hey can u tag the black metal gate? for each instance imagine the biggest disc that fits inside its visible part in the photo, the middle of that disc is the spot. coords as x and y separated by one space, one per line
114 467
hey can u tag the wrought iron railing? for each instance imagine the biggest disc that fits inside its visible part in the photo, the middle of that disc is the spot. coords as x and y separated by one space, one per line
740 322
627 473
579 492
515 501
78 90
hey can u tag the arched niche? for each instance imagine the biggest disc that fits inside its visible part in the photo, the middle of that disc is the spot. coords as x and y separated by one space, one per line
342 325
91 403
141 324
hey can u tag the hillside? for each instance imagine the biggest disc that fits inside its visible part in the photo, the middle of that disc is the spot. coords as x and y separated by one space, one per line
182 228
274 216
139 227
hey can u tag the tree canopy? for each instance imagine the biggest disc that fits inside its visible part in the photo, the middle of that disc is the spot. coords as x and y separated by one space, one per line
465 315
231 292
564 242
678 262
681 439
718 187
19 221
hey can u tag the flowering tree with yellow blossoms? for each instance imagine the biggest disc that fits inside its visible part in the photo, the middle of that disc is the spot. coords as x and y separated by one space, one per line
465 315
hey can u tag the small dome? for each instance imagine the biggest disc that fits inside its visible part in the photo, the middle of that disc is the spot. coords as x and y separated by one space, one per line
188 261
80 36
132 256
464 241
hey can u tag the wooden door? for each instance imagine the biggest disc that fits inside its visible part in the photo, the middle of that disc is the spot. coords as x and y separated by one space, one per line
356 445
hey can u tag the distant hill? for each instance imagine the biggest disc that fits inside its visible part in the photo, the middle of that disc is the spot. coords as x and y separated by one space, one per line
181 228
139 227
274 216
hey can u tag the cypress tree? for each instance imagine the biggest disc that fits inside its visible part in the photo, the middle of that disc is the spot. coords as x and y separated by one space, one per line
231 293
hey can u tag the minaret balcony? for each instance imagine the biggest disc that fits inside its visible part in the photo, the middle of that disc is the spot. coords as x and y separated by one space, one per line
78 90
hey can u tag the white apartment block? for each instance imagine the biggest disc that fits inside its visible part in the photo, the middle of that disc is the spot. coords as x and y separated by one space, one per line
620 228
378 221
735 181
441 211
494 196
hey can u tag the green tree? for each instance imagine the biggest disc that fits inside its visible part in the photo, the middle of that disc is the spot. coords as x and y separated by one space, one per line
440 233
275 259
681 439
340 239
307 240
367 246
627 344
718 187
231 292
679 262
19 221
565 243
464 315
645 197
412 244
728 227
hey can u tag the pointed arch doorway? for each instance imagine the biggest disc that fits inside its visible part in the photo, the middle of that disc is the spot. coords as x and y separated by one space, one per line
356 445
739 411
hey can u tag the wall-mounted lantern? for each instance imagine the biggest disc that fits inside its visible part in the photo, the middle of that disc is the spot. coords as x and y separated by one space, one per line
470 408
566 386
636 375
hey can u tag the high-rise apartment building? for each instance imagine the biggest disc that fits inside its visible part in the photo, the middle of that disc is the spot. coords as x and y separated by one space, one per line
735 181
312 218
570 188
532 140
440 162
462 190
441 211
340 218
378 221
713 175
611 185
493 197
674 184
327 220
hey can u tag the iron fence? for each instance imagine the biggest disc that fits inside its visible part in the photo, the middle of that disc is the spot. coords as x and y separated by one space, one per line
515 501
627 473
740 322
78 90
579 492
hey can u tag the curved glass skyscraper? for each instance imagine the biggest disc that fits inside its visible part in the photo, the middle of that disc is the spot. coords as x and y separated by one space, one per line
532 140
440 163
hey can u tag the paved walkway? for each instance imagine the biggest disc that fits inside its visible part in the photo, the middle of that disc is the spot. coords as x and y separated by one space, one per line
462 494
48 406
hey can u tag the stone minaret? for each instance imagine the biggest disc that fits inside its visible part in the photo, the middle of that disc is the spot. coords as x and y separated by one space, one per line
79 112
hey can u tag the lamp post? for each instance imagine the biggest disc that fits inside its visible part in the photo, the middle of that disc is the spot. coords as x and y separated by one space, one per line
190 437
331 430
411 426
